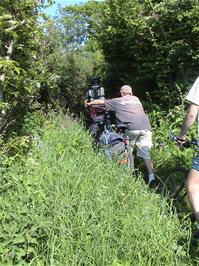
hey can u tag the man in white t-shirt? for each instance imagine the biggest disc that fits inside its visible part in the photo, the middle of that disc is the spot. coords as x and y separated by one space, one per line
193 177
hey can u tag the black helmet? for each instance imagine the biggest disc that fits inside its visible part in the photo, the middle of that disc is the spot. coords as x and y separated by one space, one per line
95 81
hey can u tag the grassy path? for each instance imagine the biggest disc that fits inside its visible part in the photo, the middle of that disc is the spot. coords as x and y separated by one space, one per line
67 206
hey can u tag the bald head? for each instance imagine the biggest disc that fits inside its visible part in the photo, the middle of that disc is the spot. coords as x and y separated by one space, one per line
126 89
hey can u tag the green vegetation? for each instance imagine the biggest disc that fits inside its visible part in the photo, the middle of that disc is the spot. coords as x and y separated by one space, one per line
63 204
151 45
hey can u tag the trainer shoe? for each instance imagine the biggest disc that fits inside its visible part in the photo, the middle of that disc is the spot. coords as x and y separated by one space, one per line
154 184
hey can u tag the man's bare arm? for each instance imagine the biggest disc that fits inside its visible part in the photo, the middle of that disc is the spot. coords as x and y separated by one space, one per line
188 120
96 102
85 102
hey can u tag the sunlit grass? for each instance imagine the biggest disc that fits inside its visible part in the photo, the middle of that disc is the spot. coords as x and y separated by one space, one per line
70 206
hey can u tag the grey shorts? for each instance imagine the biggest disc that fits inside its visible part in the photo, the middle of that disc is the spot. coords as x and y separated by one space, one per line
142 140
195 162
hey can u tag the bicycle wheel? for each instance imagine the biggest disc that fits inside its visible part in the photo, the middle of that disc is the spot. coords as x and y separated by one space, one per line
126 158
174 188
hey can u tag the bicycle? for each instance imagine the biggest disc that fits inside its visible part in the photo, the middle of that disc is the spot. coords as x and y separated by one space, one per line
127 157
115 144
174 185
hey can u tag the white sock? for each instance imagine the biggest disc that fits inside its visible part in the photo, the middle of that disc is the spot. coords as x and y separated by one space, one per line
151 177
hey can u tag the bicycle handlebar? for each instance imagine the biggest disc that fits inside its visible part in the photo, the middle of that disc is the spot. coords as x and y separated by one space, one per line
187 143
98 106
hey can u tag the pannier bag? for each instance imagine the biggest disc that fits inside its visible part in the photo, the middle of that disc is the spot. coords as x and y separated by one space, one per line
113 142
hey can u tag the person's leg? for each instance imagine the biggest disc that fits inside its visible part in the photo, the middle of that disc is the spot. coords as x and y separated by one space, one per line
193 186
133 135
151 176
142 139
144 144
193 194
149 165
193 191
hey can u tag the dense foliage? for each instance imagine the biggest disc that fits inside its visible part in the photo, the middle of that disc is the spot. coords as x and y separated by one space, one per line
59 200
38 62
152 45
20 70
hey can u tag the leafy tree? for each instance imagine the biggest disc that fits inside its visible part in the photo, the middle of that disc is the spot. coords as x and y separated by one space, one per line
21 71
151 44
70 54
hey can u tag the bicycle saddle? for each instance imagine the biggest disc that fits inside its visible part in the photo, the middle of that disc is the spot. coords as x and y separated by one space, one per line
122 126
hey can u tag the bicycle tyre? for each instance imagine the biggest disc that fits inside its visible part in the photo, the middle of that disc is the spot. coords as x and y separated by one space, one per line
131 163
174 187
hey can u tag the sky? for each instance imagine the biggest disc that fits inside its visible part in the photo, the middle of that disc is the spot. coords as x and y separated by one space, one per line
52 10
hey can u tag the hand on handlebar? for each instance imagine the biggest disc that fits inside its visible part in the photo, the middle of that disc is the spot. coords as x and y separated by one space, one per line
182 141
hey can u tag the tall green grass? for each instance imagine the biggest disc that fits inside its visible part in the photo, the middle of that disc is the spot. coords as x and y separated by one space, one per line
66 205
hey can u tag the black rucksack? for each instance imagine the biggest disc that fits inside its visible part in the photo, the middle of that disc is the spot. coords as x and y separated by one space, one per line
96 92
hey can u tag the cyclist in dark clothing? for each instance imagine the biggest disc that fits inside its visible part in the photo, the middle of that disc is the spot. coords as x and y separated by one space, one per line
96 112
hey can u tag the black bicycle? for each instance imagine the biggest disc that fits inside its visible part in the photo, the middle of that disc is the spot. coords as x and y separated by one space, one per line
127 156
174 185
